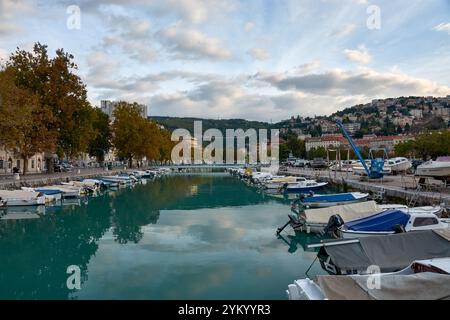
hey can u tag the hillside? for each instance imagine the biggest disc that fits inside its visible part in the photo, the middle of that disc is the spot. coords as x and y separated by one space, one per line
172 123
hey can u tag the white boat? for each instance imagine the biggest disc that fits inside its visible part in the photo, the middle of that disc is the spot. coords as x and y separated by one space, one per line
390 222
358 169
398 164
317 220
89 185
118 179
345 165
331 200
305 186
67 190
50 195
434 169
261 176
22 198
423 279
280 181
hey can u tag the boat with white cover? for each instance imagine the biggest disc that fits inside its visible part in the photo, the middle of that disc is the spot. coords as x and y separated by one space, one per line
22 198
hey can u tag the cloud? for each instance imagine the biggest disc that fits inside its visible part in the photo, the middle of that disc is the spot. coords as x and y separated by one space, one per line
346 30
187 43
307 67
249 26
3 55
191 11
11 8
363 82
258 53
132 36
443 27
359 56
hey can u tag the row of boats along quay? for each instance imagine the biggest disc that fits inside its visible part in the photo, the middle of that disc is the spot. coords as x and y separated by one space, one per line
373 248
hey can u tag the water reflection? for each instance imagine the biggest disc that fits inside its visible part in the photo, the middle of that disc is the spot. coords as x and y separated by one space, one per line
184 221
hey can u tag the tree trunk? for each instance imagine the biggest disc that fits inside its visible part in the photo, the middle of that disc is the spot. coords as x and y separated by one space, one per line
25 165
130 159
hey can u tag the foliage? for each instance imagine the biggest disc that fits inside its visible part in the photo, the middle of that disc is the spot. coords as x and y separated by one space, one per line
101 143
135 137
23 125
427 145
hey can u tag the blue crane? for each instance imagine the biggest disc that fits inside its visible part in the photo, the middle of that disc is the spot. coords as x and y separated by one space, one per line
376 165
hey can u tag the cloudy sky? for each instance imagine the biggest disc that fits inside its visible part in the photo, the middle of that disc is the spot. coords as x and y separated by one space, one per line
254 59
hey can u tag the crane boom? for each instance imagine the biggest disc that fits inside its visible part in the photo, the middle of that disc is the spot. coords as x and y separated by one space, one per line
354 147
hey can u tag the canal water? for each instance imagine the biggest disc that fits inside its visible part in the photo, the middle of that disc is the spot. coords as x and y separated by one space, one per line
178 237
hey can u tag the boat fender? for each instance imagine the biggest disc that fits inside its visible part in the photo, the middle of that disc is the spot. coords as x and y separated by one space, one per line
398 228
334 223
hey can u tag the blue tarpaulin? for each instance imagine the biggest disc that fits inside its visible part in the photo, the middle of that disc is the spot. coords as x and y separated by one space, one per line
384 221
330 198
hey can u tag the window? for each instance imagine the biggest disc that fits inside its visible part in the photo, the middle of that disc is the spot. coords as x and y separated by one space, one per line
32 164
18 163
422 222
1 164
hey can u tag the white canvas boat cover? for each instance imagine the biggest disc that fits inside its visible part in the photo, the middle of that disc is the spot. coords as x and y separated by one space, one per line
18 194
348 212
419 286
390 253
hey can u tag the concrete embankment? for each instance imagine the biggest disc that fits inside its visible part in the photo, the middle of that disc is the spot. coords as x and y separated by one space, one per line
405 187
51 179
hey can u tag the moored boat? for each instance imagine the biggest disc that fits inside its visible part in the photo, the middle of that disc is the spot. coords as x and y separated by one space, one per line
331 200
51 195
423 279
389 253
67 191
390 222
305 186
21 198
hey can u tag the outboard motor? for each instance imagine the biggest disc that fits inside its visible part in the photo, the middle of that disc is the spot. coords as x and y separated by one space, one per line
294 221
334 223
398 228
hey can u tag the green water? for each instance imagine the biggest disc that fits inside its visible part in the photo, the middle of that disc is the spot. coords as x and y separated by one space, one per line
179 237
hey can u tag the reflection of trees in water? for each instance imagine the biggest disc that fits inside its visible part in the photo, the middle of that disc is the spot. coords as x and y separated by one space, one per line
35 254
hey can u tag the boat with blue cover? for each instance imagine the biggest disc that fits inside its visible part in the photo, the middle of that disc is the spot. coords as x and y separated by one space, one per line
391 222
331 200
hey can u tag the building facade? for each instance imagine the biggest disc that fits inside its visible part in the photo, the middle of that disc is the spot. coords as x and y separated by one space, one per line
9 160
108 108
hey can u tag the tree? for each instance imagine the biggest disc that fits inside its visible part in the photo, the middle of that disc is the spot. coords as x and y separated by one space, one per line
23 125
136 137
126 129
296 146
101 143
59 90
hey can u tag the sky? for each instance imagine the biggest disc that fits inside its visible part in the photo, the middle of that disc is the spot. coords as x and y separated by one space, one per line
254 59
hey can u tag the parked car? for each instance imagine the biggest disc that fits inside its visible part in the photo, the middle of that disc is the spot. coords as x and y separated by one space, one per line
301 163
319 163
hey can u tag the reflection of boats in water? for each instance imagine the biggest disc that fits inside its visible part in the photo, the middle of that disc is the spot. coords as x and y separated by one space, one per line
300 239
19 213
